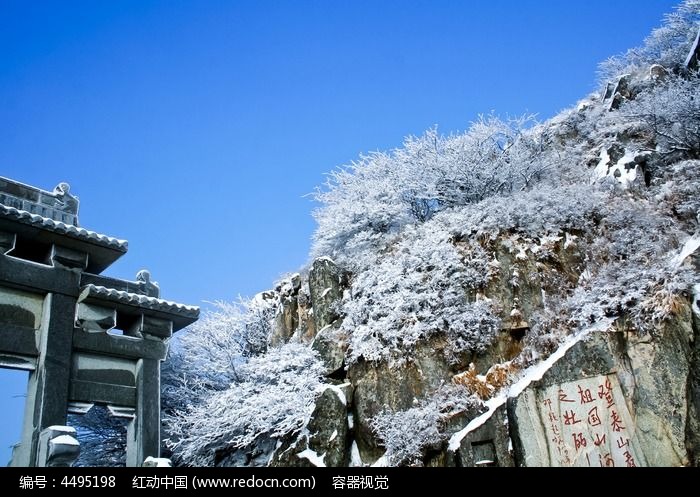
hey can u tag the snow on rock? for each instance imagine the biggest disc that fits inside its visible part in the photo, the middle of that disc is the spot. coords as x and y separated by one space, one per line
583 105
355 458
570 240
157 462
530 375
696 300
382 462
312 457
627 174
337 391
334 435
689 248
601 170
625 170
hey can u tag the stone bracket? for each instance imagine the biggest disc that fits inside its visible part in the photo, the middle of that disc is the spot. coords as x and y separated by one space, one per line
58 447
68 258
155 327
7 241
94 319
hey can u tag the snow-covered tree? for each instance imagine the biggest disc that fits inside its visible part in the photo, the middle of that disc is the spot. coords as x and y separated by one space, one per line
667 45
206 356
365 204
406 435
272 397
102 438
670 114
417 290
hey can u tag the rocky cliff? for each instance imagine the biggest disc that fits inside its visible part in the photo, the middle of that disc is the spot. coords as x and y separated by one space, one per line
535 308
607 395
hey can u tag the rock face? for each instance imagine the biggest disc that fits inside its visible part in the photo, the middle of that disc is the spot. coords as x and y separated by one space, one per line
382 386
324 440
329 427
305 308
331 343
325 287
693 427
487 445
287 316
612 400
692 62
617 398
622 92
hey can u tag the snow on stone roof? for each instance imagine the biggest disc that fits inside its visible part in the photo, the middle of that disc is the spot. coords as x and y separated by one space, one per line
76 232
135 299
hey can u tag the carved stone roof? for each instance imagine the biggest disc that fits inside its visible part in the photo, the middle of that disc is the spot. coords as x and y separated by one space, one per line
59 205
136 300
76 232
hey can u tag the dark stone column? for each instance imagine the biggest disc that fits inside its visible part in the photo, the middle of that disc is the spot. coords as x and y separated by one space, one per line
47 391
143 434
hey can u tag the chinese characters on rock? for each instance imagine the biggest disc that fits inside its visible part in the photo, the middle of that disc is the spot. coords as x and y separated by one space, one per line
587 423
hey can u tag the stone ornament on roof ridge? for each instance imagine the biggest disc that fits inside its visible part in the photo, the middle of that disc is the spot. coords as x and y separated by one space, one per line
152 288
59 204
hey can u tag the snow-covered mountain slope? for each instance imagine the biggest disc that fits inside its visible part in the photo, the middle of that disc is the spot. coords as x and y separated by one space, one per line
521 293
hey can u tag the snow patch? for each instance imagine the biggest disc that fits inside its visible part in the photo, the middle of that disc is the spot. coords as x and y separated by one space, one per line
339 393
325 291
689 248
355 458
622 171
313 457
530 375
260 298
626 175
583 105
334 435
382 462
696 300
692 50
157 462
64 429
601 170
549 239
64 440
570 240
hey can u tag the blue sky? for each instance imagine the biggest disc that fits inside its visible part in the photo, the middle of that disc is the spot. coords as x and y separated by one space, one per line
195 129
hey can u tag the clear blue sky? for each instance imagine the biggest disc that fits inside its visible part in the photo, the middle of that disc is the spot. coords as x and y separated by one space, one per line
194 129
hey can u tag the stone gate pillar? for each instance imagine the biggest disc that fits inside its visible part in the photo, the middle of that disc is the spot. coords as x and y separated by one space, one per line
143 432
